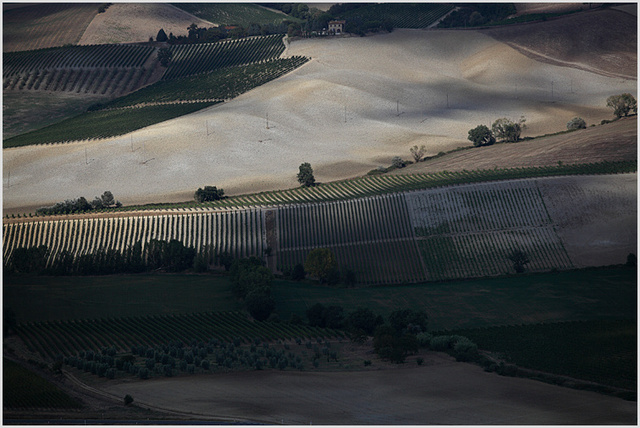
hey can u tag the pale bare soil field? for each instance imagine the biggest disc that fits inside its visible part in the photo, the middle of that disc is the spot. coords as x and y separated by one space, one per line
136 22
440 392
609 48
358 103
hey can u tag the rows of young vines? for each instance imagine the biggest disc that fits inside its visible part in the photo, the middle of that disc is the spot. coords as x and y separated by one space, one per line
372 185
371 236
90 56
239 233
98 81
224 83
65 338
471 231
188 60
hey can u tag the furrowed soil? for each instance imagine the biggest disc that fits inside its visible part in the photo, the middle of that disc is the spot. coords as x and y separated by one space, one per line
615 141
357 103
136 22
441 391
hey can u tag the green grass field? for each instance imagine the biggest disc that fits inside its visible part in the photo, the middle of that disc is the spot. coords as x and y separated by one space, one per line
602 351
552 297
103 124
42 298
23 389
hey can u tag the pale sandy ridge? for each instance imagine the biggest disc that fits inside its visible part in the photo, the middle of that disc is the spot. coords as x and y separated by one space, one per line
136 22
355 105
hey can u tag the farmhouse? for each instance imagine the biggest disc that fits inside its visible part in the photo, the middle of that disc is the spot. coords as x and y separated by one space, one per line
336 27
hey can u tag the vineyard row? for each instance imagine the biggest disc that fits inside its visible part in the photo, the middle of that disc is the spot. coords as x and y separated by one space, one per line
91 56
99 81
189 60
69 337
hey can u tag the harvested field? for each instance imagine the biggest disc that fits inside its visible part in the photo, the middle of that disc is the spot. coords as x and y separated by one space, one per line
610 142
39 26
609 48
600 227
136 22
440 392
367 99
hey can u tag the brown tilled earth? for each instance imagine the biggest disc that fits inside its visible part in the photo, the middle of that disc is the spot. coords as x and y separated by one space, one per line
608 47
441 391
615 141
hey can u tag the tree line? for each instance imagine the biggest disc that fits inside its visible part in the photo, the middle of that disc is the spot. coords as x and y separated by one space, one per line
160 256
81 205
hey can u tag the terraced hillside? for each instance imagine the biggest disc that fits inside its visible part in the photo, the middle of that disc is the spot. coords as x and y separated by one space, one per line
435 234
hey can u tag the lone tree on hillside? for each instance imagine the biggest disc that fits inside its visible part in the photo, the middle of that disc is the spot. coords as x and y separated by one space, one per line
305 176
576 123
507 130
519 259
162 36
481 136
320 263
622 104
417 153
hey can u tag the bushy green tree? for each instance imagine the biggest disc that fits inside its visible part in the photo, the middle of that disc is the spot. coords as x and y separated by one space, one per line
320 263
576 123
622 104
507 130
481 135
305 175
364 319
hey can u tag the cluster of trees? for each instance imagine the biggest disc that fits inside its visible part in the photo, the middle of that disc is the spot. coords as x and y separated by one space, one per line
393 340
476 14
213 34
622 104
251 282
209 193
166 256
503 129
81 205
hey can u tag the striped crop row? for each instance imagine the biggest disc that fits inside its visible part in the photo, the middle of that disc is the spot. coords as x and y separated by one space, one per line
372 185
430 234
188 60
69 337
240 233
92 56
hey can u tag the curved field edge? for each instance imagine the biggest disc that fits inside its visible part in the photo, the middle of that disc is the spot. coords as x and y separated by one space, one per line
611 359
374 185
159 102
104 124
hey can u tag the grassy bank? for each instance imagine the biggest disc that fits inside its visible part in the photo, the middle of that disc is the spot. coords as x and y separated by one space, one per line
601 351
552 297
